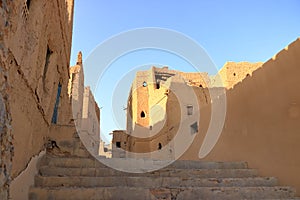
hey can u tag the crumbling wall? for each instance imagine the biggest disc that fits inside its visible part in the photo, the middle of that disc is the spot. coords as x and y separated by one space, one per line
6 137
35 44
196 79
234 72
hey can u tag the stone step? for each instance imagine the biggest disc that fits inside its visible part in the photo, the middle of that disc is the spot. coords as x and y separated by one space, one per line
152 182
78 162
189 164
132 193
225 193
166 172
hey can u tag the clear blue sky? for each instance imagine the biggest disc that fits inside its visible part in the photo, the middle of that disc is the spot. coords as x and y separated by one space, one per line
227 30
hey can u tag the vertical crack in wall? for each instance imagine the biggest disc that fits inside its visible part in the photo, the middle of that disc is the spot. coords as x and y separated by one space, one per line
33 92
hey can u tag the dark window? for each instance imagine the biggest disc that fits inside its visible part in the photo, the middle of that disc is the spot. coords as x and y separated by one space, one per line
143 115
145 84
105 149
28 4
194 128
201 86
157 85
55 111
167 92
48 54
189 110
234 74
118 144
159 146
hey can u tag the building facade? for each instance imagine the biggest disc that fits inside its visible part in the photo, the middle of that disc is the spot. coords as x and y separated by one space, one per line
35 47
261 123
85 110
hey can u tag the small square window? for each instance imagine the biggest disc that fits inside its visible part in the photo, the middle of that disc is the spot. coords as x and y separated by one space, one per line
189 110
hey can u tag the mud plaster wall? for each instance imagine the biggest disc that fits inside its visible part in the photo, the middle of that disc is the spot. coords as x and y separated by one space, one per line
90 126
6 147
35 52
164 110
234 72
262 121
76 91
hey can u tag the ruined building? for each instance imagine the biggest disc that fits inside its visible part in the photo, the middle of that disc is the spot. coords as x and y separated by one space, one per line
49 122
163 102
86 113
261 124
35 44
35 99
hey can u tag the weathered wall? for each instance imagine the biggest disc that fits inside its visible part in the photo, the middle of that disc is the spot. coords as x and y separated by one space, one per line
20 186
196 79
141 104
164 95
234 72
90 126
85 111
105 150
263 120
6 137
76 90
34 53
121 137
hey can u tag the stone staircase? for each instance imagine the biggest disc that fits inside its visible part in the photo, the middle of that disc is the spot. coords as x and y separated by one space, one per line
80 176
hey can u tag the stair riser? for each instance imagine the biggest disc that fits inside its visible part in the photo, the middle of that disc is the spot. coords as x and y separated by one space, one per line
183 164
102 172
80 177
90 162
150 182
139 193
241 193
